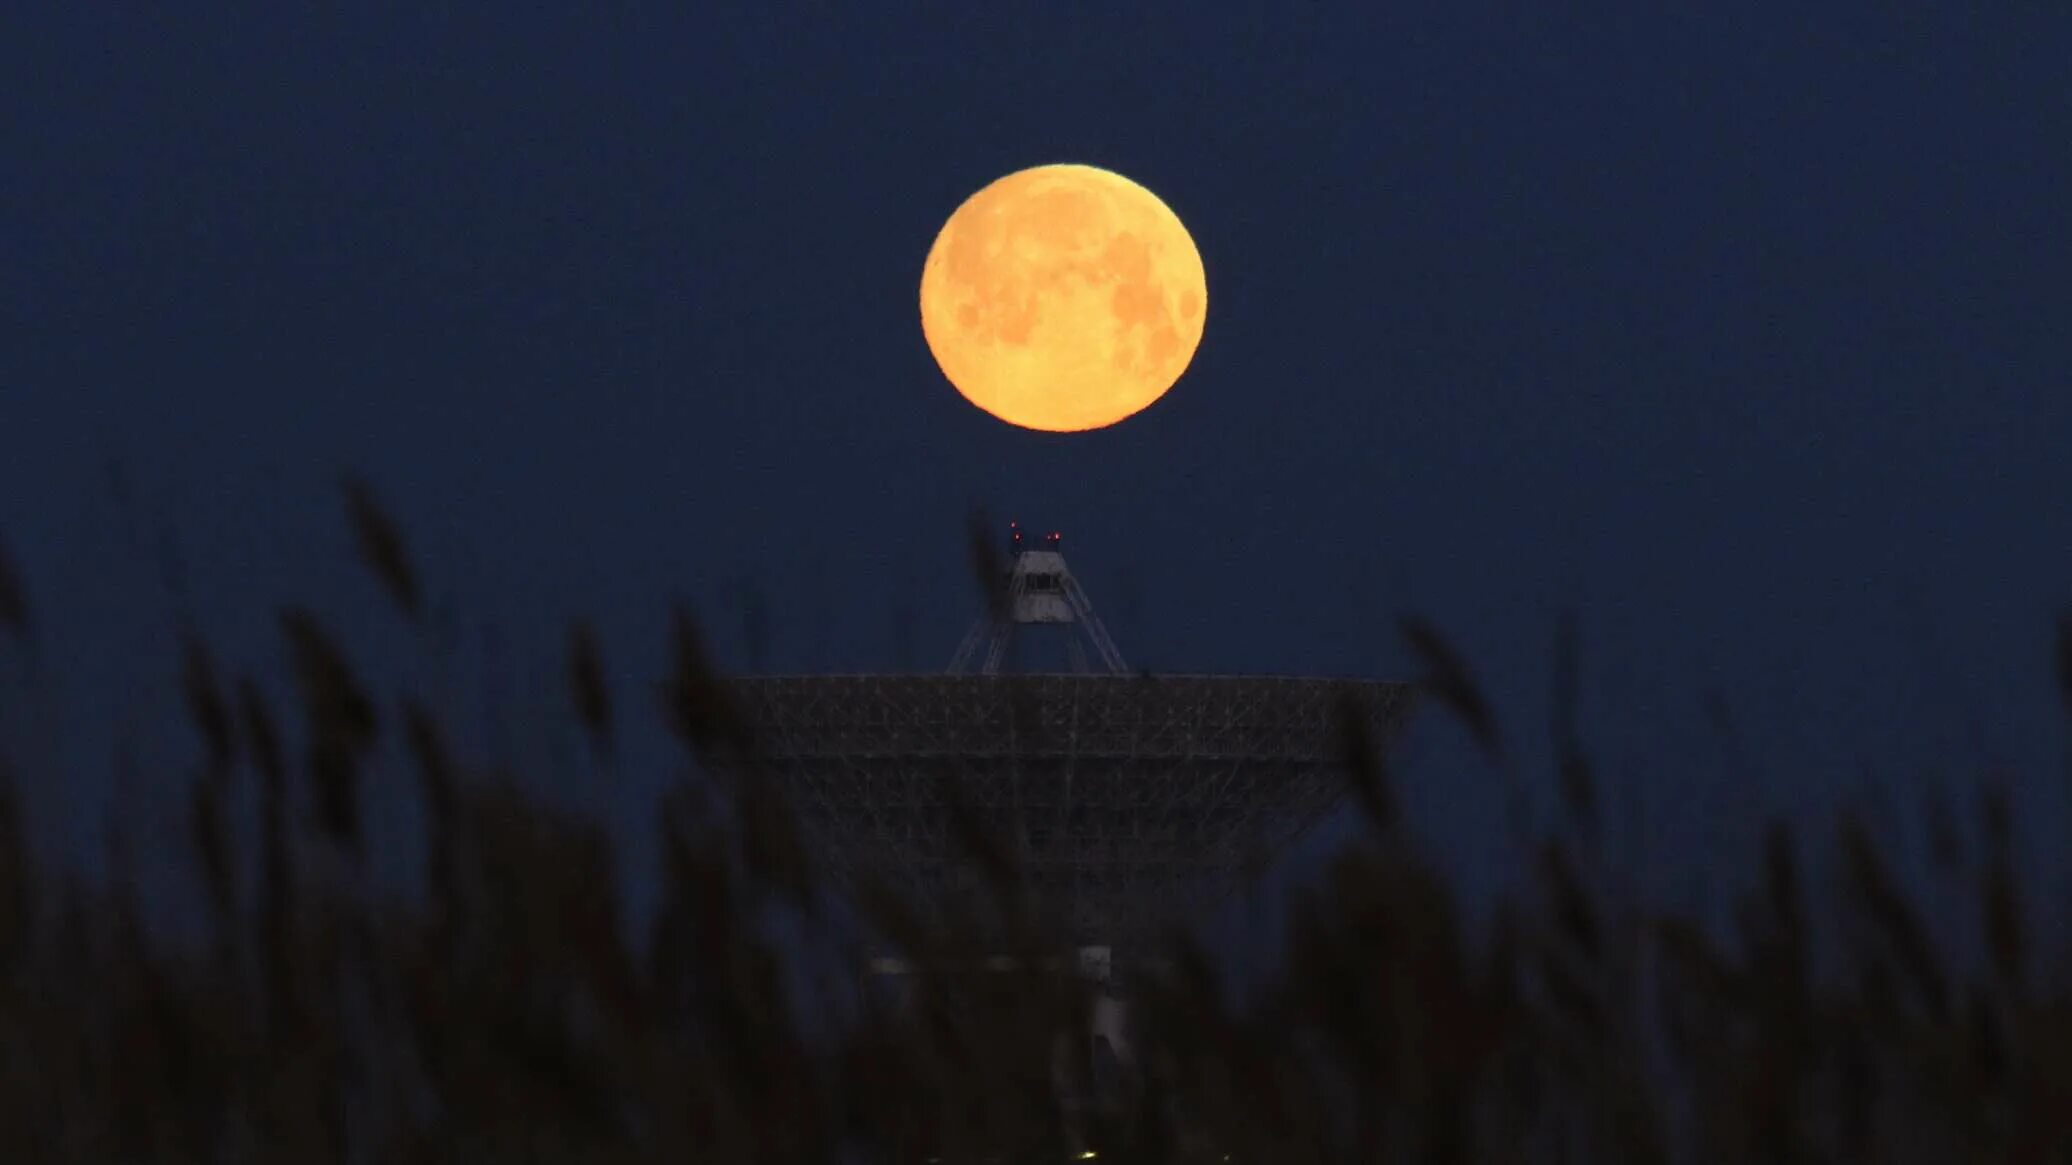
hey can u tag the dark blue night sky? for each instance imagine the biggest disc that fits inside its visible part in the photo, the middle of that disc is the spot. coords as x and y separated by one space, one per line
1747 334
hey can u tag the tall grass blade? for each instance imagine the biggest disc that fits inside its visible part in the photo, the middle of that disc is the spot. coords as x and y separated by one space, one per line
381 547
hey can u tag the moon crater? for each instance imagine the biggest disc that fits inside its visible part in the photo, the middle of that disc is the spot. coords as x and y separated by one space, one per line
1063 298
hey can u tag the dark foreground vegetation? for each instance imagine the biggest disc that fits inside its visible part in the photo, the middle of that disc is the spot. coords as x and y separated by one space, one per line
506 1015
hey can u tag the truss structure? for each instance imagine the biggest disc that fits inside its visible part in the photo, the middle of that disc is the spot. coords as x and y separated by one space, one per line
1039 589
1129 800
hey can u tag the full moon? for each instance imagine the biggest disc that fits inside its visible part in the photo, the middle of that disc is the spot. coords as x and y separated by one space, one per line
1063 298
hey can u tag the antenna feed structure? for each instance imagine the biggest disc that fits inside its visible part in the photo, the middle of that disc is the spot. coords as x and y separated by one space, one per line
1040 590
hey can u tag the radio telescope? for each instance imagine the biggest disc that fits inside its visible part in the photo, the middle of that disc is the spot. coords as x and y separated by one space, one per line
1131 801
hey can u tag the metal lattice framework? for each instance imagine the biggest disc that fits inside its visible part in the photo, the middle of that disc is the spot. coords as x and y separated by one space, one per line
1131 799
1039 588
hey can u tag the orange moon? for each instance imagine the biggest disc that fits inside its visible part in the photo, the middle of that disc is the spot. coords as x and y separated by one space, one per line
1063 298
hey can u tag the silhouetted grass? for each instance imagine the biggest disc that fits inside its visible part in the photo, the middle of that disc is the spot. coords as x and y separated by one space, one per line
503 1015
